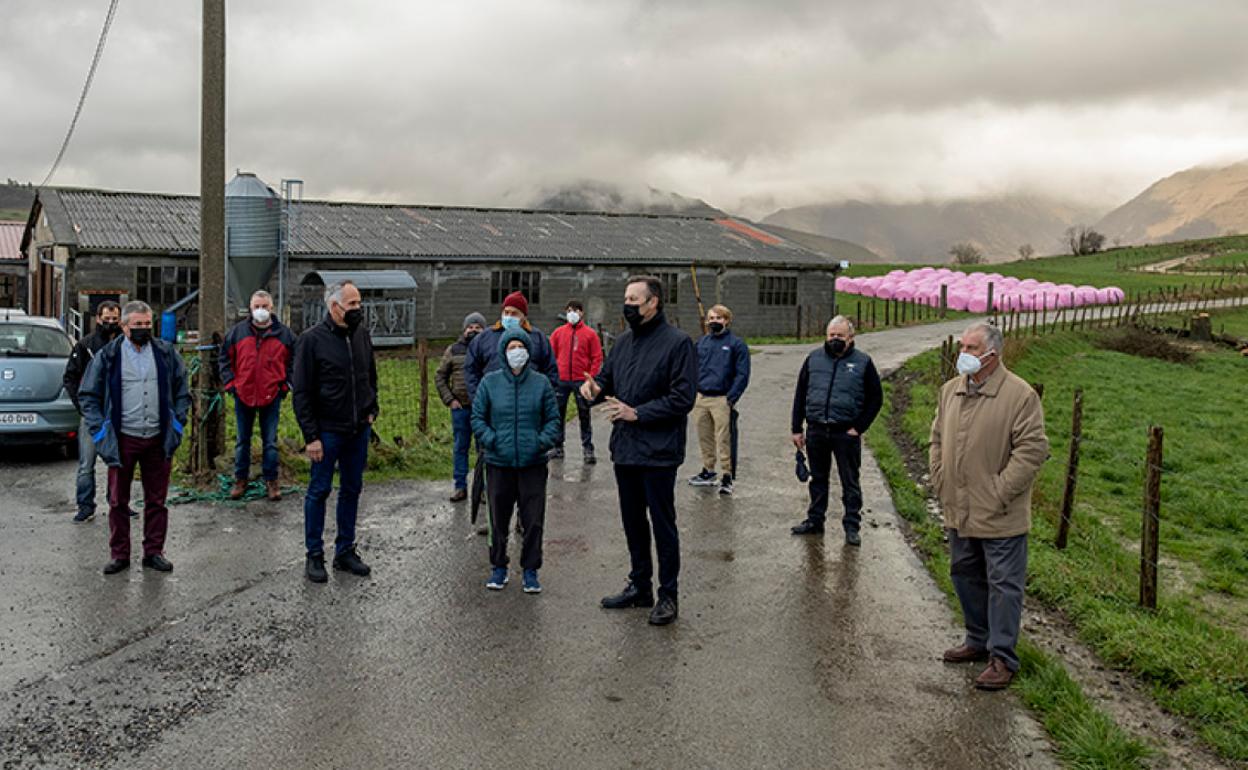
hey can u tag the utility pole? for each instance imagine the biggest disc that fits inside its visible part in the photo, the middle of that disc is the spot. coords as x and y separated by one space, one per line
208 430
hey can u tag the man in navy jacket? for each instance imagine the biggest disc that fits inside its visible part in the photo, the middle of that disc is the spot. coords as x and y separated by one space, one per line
648 382
838 395
723 375
134 398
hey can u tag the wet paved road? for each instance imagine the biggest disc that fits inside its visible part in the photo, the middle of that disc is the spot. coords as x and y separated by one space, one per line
789 652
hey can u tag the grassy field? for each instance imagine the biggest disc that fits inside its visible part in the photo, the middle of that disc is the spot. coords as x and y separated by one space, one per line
1232 321
14 215
1236 258
1193 651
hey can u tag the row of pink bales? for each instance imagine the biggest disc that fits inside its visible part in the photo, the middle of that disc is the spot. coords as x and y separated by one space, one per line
969 291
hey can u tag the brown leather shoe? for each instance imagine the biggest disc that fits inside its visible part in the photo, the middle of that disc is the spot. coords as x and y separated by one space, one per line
272 490
459 496
239 489
964 654
995 677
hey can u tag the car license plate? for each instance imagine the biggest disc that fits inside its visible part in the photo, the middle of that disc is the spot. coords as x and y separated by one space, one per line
18 418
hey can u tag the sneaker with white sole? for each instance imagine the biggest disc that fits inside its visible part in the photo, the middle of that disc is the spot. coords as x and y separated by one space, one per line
498 579
531 586
725 485
704 479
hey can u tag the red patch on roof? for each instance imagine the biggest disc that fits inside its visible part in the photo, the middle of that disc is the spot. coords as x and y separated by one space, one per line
745 229
11 240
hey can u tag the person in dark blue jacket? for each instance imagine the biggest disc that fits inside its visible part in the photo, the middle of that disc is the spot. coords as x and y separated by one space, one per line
838 396
723 375
515 418
483 354
649 382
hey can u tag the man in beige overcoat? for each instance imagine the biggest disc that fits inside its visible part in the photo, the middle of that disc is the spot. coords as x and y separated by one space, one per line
988 444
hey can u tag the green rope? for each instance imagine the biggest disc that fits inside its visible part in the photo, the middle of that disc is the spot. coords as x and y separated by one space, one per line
179 495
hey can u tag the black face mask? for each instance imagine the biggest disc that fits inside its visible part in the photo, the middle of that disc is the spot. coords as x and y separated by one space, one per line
835 347
469 335
353 317
140 337
715 327
632 314
109 329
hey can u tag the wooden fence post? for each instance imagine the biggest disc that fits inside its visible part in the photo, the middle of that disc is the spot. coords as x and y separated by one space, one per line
990 309
1152 520
423 354
944 299
1072 469
798 332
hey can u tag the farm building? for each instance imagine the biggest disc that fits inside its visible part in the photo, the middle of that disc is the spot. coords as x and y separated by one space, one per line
86 245
12 266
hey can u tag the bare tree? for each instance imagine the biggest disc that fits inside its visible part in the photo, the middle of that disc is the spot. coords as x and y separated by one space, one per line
966 253
1026 251
1083 240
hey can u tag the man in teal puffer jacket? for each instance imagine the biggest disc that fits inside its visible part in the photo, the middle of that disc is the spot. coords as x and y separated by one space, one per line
516 421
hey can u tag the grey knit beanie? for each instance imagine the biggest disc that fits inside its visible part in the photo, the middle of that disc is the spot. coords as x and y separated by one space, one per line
473 318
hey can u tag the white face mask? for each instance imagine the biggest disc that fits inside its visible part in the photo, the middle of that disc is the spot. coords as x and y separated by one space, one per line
969 364
517 357
574 317
260 315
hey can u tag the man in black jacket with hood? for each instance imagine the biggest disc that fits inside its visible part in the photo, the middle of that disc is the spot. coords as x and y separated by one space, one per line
649 382
107 328
335 398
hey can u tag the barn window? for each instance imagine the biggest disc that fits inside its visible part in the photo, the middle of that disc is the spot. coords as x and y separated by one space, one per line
161 286
504 282
777 290
8 291
671 285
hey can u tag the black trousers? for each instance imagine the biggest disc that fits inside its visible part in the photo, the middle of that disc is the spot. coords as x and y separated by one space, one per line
824 442
643 488
562 391
509 489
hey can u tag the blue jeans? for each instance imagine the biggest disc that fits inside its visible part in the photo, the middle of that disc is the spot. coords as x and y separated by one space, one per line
461 425
86 469
246 417
349 452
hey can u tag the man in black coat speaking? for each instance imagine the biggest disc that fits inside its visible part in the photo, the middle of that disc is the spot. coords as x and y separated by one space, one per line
649 382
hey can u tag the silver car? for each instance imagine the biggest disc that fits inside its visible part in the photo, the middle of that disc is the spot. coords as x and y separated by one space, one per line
34 408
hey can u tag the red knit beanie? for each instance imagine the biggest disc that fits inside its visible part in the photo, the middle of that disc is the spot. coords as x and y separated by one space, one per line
517 300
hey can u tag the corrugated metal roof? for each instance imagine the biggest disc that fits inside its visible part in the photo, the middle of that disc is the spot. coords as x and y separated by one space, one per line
170 223
364 279
11 240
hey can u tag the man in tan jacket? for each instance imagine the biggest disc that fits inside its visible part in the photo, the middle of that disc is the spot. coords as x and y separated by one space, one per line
988 444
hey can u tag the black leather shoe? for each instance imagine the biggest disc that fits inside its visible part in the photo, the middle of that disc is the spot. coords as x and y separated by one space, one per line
664 612
808 527
350 561
590 459
116 565
631 596
314 568
157 562
853 538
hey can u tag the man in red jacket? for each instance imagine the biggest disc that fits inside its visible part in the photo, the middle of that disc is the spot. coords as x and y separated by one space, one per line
255 366
578 354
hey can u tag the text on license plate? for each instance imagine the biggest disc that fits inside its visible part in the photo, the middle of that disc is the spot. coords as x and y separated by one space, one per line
18 418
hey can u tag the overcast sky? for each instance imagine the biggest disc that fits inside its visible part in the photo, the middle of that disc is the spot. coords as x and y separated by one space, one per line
750 105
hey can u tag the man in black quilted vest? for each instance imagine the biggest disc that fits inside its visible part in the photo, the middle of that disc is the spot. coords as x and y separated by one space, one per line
838 396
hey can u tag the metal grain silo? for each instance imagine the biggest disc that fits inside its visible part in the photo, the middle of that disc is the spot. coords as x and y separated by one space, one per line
253 215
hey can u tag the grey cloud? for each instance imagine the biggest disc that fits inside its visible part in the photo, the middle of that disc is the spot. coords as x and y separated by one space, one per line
738 102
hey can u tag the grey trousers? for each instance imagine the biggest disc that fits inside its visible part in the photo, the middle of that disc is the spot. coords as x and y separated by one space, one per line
988 576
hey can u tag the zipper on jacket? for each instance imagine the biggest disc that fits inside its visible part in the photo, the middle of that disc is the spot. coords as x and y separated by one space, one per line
515 420
355 409
827 399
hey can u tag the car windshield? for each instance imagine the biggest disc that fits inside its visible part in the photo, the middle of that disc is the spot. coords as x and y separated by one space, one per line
28 339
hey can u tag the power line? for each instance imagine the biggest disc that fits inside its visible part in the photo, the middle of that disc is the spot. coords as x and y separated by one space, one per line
95 62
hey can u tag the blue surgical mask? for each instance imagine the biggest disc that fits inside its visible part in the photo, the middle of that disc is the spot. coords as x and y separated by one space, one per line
969 364
511 322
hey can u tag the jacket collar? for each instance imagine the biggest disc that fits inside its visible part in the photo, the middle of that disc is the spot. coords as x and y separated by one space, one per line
658 320
990 386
